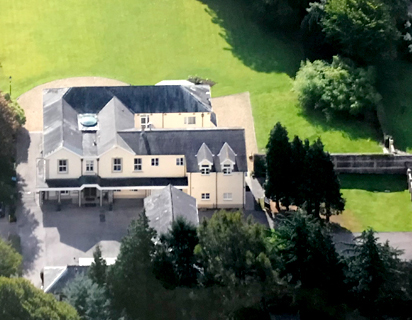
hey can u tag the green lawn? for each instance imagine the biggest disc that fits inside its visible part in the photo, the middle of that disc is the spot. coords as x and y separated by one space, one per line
145 41
378 201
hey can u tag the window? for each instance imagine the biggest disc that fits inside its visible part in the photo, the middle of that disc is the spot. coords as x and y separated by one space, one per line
117 164
205 196
62 166
138 164
144 121
179 161
117 190
135 190
227 196
155 162
205 169
64 193
89 165
227 169
190 120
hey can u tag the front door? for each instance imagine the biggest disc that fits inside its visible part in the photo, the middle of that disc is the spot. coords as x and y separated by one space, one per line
90 193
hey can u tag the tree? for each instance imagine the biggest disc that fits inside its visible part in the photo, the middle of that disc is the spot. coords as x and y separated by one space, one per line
175 259
233 256
98 268
10 260
88 298
131 281
363 29
321 186
20 300
309 260
337 88
372 267
278 167
298 174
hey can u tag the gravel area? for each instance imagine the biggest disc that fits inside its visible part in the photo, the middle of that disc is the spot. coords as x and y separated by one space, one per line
236 111
32 101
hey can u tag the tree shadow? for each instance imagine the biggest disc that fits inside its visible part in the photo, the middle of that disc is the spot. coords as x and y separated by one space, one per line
374 182
258 48
23 145
353 129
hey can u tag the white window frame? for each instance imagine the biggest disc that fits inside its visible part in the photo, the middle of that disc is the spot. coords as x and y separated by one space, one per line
227 169
190 120
89 166
205 196
117 167
60 166
137 164
155 162
144 121
180 161
227 196
205 169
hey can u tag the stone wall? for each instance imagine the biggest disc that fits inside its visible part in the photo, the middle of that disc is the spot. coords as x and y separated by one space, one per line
365 163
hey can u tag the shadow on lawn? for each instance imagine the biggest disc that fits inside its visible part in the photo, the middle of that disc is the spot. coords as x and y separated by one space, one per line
259 49
374 182
353 129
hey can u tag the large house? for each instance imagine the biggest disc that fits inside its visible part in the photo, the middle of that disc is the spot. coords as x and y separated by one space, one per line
103 143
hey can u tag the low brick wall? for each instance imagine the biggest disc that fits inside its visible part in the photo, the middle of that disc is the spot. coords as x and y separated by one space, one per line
365 163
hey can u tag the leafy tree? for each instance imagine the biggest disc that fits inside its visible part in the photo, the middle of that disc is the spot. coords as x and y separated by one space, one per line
278 169
98 268
321 186
233 256
20 300
131 281
309 260
364 29
175 259
372 269
10 260
88 298
337 88
314 40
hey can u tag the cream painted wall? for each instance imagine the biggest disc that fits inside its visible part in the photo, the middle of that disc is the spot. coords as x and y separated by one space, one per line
73 162
233 183
203 184
167 165
176 120
130 194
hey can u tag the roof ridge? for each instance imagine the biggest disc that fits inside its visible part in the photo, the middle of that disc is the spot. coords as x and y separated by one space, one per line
171 202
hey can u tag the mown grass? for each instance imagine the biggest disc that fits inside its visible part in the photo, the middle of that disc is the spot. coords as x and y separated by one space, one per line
382 202
143 42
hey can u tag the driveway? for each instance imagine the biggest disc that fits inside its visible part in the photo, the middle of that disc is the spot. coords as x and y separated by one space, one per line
236 111
51 238
32 101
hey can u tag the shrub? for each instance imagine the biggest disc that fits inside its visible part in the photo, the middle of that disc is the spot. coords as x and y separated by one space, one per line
199 80
337 88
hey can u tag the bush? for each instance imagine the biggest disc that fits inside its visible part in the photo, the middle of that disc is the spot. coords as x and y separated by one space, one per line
337 88
259 164
199 80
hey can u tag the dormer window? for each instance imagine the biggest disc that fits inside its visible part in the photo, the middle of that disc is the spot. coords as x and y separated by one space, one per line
227 169
205 169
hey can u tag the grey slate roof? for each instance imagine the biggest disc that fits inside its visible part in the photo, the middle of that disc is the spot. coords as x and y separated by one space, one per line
57 284
163 207
113 182
188 142
115 107
227 153
141 99
203 154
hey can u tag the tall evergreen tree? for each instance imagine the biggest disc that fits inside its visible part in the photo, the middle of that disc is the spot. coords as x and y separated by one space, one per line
175 258
98 268
278 158
309 260
372 266
298 175
131 281
322 187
